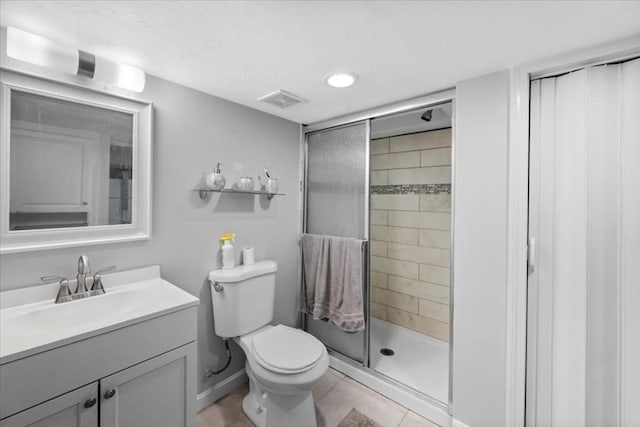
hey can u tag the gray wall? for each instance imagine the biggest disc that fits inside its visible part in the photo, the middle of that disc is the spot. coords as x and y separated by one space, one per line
192 131
480 241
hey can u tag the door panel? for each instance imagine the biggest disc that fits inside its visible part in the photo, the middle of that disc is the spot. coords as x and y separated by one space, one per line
78 408
337 204
337 179
62 179
584 203
158 392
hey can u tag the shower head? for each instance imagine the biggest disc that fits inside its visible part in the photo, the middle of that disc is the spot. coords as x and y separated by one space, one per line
426 116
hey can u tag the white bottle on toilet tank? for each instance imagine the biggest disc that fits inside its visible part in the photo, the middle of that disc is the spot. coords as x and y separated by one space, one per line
227 251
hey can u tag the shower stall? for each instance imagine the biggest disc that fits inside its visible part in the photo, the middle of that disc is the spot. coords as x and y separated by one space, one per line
386 177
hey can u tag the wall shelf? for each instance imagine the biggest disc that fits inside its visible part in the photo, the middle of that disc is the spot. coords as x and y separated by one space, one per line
202 192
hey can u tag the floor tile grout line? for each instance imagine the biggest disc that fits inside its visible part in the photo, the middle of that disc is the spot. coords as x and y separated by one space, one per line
375 394
363 390
403 418
327 391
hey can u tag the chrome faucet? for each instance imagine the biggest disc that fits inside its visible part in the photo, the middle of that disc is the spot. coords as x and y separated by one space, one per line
84 273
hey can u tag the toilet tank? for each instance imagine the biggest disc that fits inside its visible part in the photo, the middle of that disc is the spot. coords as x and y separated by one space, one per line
245 302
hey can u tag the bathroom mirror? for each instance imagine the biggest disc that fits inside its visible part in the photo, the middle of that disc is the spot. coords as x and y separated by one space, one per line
75 166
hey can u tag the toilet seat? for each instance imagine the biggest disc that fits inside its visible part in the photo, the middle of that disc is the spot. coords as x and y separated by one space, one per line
286 350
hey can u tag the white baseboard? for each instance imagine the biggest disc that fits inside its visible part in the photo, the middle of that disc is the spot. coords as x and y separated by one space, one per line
221 389
418 404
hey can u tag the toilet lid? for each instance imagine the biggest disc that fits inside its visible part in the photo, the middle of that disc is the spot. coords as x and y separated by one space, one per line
286 350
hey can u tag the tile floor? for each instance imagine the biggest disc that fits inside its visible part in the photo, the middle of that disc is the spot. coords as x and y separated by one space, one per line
335 395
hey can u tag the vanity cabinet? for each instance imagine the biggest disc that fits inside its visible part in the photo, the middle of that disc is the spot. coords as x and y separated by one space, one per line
156 392
136 368
151 393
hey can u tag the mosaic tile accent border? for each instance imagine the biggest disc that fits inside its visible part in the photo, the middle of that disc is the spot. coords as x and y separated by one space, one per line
412 189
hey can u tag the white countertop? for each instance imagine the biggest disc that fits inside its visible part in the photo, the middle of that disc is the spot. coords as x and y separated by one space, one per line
30 321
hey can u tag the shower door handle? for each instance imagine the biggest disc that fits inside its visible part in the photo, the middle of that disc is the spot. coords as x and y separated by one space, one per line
531 255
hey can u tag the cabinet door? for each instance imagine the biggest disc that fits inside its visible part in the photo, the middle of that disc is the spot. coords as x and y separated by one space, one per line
78 408
159 392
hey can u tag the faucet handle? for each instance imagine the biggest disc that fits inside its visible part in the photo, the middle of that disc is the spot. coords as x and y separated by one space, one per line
64 293
97 279
103 270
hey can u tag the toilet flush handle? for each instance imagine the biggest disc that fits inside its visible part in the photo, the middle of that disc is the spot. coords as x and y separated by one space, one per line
217 286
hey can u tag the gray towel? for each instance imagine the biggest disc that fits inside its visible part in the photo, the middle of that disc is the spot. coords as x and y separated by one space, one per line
332 280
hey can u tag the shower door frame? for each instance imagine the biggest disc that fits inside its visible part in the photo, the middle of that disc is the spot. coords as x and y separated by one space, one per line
367 226
420 102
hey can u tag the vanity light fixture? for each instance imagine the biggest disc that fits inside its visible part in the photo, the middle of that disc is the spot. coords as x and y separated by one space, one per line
340 80
27 47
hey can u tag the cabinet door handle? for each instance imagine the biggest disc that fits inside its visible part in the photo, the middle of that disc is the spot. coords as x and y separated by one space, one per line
110 393
90 402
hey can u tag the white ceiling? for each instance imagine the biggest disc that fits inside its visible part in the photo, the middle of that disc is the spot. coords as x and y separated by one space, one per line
241 51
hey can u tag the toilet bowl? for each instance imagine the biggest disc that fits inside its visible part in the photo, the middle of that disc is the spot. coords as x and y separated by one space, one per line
282 363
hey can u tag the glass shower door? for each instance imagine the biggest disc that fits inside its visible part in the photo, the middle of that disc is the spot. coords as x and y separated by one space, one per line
337 204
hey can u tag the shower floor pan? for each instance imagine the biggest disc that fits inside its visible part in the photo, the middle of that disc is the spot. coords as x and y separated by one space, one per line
419 361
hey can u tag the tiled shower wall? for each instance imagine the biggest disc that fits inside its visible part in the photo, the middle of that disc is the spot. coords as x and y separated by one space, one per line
410 231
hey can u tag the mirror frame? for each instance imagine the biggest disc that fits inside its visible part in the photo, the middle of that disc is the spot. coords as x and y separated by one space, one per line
12 241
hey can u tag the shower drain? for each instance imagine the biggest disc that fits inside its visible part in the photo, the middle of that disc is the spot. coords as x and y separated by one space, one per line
387 352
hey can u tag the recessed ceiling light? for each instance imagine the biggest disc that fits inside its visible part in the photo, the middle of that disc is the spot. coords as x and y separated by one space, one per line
340 80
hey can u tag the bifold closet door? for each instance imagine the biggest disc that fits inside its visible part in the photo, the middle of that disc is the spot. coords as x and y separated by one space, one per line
584 287
337 204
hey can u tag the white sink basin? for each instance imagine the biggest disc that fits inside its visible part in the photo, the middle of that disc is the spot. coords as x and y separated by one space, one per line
33 318
31 322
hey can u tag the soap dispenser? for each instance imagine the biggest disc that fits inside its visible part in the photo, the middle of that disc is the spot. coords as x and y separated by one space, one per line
215 180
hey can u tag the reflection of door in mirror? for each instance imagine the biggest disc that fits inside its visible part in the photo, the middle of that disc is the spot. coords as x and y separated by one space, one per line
66 160
120 183
58 191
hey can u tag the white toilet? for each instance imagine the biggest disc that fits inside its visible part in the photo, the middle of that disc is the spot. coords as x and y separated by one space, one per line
283 363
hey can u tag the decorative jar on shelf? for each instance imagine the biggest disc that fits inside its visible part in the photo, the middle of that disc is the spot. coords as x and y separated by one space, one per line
246 183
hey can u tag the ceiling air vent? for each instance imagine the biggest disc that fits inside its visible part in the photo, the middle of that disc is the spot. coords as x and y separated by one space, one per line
281 99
